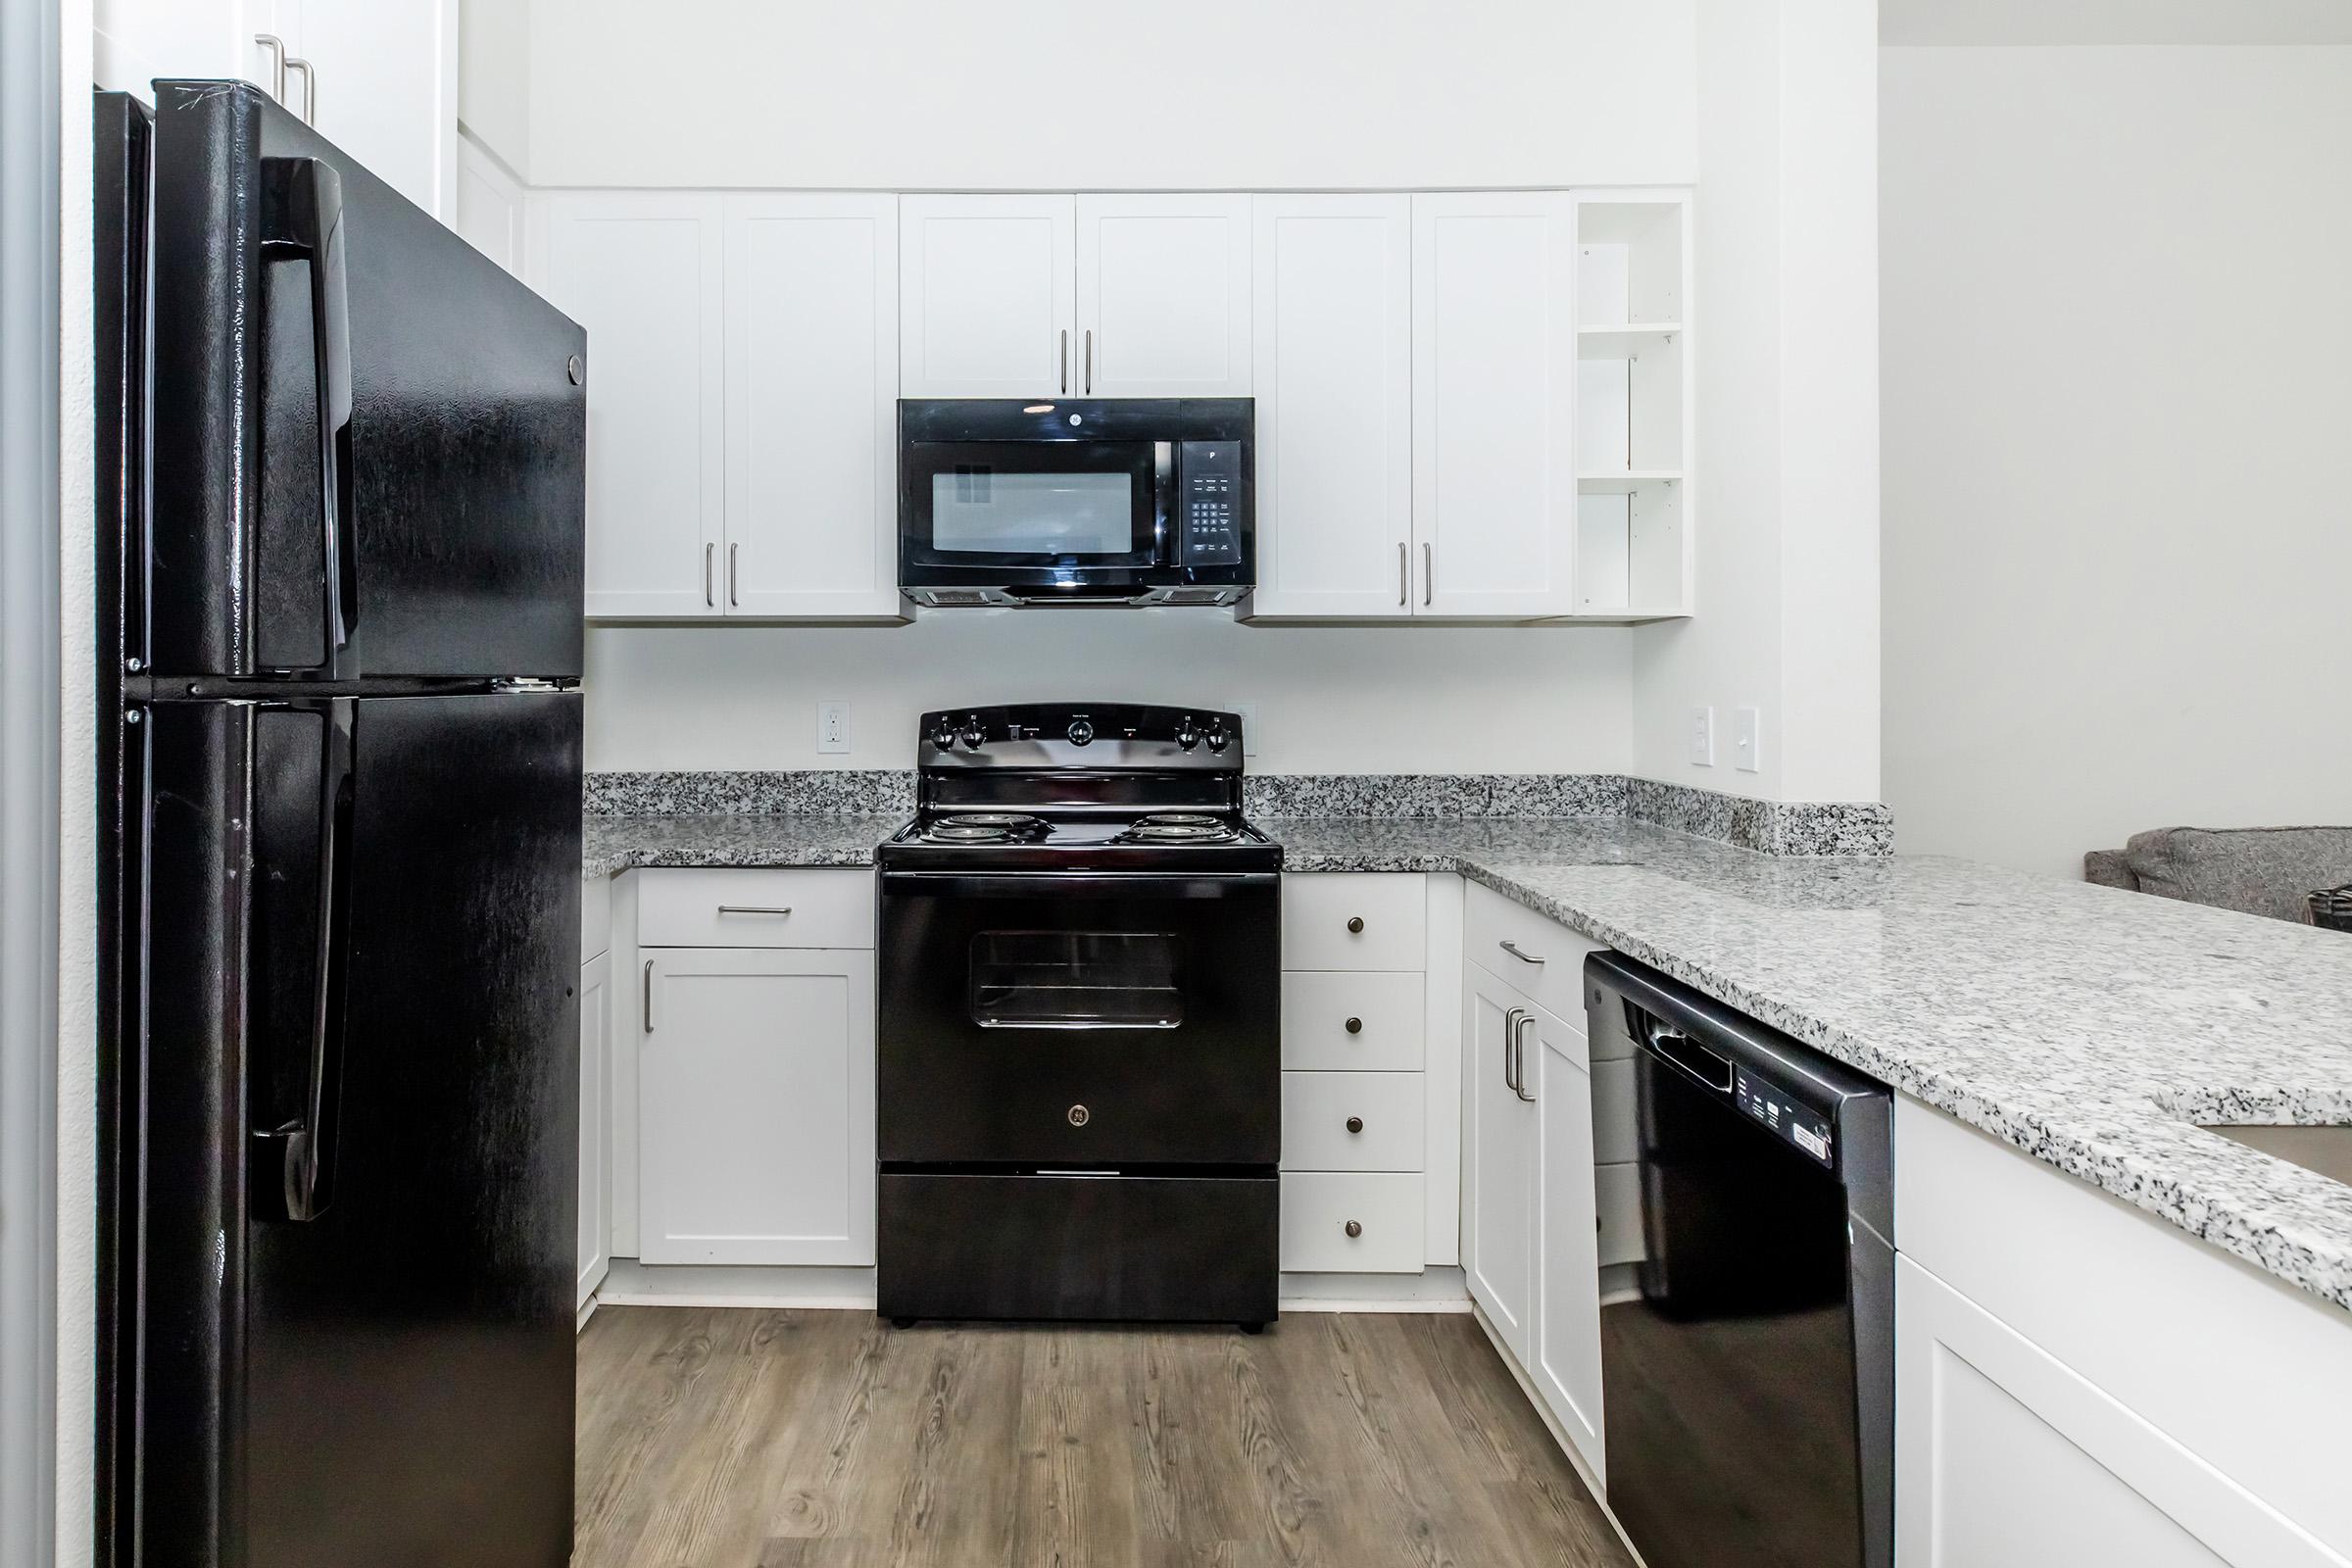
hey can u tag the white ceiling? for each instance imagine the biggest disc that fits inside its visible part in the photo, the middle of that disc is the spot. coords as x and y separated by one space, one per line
2063 21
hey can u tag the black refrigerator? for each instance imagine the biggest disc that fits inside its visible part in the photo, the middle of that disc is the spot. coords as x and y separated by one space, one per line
340 543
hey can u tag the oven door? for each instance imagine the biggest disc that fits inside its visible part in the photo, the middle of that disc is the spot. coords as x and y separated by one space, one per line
1109 1022
1031 511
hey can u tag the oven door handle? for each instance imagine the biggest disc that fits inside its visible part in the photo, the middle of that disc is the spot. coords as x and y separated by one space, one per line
1079 884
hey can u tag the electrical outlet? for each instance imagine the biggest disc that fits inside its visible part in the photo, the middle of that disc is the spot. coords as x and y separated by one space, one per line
1702 737
1248 713
1748 739
833 725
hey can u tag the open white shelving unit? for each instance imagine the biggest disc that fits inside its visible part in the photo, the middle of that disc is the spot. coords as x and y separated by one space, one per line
1634 404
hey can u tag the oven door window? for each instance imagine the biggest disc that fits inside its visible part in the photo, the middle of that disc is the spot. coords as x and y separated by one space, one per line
1077 980
1034 503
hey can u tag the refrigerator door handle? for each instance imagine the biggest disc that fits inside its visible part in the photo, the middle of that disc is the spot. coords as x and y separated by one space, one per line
305 213
309 1142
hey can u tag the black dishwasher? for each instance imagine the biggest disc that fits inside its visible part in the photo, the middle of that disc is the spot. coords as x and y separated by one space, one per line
1747 1352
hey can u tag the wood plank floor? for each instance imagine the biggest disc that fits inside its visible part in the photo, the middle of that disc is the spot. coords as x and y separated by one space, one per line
737 1439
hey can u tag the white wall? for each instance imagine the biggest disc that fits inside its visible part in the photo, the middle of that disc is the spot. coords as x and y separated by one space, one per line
494 77
2118 379
1079 95
1786 335
1412 699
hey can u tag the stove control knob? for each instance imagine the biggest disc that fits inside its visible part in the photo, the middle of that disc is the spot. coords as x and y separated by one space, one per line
1187 737
1081 732
973 734
1219 739
944 737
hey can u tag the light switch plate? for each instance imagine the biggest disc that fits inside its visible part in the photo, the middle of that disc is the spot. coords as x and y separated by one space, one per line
832 726
1702 737
1748 739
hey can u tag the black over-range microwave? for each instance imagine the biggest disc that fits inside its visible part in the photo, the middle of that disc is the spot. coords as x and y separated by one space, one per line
1130 501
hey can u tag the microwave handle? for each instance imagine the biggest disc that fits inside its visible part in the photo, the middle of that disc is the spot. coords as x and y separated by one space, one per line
1168 547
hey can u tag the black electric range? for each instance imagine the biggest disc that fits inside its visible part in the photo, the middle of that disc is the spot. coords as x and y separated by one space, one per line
1079 1096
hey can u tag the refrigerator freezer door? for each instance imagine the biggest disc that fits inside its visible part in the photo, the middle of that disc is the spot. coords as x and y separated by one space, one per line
369 439
362 1055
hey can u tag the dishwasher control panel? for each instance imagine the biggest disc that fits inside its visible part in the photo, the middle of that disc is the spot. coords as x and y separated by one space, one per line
1797 1124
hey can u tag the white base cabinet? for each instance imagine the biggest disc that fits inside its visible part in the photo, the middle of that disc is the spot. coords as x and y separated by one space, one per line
596 1119
755 1107
1529 1246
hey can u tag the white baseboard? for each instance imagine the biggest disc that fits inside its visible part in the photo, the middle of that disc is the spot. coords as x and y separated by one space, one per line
586 1312
634 1284
1438 1289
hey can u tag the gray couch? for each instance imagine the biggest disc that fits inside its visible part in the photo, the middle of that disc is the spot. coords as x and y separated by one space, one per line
2258 871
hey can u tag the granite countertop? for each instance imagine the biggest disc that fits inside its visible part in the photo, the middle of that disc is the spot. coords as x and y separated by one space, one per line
2087 1026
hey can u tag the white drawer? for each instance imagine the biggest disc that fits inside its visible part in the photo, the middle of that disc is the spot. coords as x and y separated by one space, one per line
1617 1201
1549 966
1337 1021
1614 1136
1318 1206
755 908
1355 921
1317 1107
596 915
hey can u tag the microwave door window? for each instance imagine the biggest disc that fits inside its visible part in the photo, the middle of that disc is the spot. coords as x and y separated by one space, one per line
979 510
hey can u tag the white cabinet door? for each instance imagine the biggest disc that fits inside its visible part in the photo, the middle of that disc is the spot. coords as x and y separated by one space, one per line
813 385
756 1108
489 207
1566 1366
386 89
1163 296
1498 1164
1332 344
641 271
2004 1454
596 1101
986 296
1493 394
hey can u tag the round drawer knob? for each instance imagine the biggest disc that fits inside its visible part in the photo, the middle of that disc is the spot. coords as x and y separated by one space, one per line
1355 1124
1355 1026
1356 923
1353 1228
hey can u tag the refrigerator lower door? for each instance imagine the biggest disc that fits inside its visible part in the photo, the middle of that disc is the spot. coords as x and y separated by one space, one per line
362 1034
369 448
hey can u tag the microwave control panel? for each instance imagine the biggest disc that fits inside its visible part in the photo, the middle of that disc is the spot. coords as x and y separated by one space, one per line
1210 505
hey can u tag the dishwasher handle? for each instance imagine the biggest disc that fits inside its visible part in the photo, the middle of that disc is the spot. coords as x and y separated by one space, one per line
1708 1069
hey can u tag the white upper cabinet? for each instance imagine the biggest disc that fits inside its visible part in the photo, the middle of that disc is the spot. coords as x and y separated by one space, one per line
490 207
1494 494
384 88
641 272
813 372
986 296
1332 340
1163 297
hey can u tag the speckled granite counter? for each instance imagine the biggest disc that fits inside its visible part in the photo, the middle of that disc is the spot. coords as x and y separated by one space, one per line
2087 1026
789 838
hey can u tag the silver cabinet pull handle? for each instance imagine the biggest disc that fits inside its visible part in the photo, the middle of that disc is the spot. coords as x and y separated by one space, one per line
778 910
278 63
710 595
1510 1047
1513 948
309 87
1402 571
1090 362
1065 362
1354 1228
649 996
732 601
1519 1057
1429 573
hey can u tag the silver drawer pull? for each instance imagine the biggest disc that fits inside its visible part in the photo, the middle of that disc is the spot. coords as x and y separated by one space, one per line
1512 948
1354 1228
754 909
